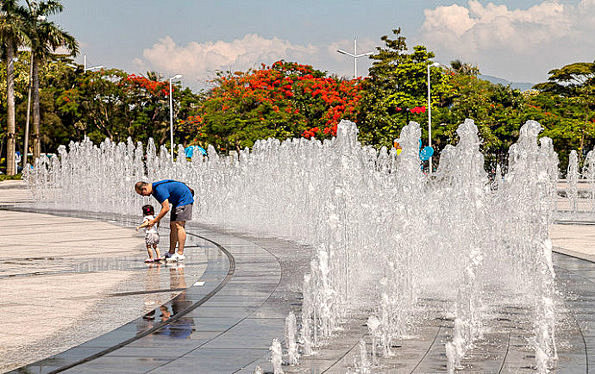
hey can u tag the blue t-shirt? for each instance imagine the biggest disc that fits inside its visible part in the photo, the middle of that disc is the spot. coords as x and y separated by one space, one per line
177 193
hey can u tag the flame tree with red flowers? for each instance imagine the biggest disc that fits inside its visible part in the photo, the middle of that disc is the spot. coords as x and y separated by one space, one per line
281 101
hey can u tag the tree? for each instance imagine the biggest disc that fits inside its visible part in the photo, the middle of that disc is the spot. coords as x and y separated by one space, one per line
111 103
283 100
12 34
495 108
397 83
464 68
45 37
565 106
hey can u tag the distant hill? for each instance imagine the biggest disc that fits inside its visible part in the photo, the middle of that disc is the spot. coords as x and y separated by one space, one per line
523 86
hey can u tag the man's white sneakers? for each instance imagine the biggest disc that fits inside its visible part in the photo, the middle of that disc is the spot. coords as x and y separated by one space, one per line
175 257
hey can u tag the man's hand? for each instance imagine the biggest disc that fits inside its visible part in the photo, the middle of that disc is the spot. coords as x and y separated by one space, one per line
152 222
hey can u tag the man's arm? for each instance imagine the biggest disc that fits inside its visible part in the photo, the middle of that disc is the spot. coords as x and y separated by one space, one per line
163 212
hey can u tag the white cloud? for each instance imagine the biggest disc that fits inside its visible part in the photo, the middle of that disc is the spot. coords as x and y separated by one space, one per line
200 61
520 44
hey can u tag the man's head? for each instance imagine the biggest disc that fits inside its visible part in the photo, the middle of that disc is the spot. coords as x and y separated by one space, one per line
143 188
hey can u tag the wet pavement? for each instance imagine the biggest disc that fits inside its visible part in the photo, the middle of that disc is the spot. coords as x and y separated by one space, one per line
224 322
61 288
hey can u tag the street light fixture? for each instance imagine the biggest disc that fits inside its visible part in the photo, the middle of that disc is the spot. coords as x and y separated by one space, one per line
171 115
355 56
435 64
86 69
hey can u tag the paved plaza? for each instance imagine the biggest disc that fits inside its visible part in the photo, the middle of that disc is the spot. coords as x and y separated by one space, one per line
78 298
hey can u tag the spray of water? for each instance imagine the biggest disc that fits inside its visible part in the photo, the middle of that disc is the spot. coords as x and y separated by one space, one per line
572 175
589 174
293 355
277 356
386 235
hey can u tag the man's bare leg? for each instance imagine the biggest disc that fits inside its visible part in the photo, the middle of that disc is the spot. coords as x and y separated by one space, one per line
173 237
181 235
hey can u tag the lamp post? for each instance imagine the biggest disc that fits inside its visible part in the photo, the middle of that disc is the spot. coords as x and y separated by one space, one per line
435 64
355 56
171 115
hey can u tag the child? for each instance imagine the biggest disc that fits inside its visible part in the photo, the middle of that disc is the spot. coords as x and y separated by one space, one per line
151 234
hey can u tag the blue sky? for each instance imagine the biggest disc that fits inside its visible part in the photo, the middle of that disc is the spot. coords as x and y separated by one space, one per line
517 40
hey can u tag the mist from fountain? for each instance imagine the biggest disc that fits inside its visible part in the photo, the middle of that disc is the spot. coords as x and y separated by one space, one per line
589 174
387 237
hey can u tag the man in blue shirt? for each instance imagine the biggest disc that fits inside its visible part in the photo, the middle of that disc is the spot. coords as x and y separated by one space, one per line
177 197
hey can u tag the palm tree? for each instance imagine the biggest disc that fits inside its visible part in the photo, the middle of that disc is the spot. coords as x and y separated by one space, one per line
12 35
45 37
463 68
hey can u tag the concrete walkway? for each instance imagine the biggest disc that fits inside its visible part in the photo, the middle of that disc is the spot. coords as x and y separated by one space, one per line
67 280
576 240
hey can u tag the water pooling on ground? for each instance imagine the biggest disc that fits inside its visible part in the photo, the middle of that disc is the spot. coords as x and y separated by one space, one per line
387 235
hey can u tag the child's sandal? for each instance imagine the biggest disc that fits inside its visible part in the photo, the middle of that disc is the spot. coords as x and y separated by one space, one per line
149 260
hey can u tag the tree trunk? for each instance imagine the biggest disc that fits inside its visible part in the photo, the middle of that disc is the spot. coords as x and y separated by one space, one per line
36 115
11 143
27 122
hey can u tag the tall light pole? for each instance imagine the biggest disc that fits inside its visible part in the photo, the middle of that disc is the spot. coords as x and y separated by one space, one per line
171 115
355 56
435 64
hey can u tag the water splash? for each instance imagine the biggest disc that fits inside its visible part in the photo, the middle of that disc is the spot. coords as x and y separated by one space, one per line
277 357
589 174
572 176
386 235
290 333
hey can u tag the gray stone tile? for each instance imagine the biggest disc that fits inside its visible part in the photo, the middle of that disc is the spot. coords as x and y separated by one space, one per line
213 361
250 333
116 364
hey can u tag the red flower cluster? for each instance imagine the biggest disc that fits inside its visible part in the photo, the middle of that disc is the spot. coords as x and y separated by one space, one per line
311 133
154 87
284 92
415 110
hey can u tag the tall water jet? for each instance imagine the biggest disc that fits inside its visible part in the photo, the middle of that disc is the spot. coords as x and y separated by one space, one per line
572 176
277 357
589 174
290 332
468 188
527 186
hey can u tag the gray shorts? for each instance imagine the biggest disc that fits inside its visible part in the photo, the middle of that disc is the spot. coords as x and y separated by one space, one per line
181 213
151 238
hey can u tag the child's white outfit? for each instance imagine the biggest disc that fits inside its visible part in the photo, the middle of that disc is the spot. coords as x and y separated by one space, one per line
151 233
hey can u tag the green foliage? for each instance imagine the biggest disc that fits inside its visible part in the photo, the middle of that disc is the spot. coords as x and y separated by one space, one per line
494 108
4 177
397 81
565 107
